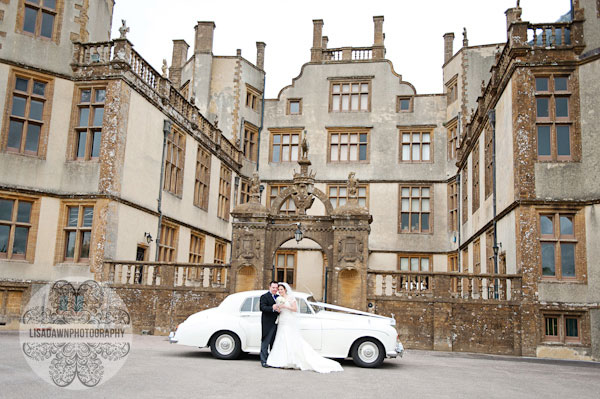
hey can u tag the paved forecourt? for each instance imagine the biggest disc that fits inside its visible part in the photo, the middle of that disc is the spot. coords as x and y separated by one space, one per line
155 368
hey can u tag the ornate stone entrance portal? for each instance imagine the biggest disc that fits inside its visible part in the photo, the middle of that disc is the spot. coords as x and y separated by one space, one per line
342 233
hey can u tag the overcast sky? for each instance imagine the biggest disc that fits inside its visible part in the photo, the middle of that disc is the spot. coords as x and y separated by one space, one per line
413 30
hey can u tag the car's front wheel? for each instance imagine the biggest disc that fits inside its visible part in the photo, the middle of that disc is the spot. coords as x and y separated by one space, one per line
368 352
225 345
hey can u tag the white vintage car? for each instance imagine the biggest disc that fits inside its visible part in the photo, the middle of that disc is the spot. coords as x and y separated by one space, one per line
333 331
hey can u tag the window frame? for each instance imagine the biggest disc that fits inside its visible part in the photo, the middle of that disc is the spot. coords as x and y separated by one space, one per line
417 255
89 129
349 132
399 100
224 200
244 196
475 178
174 172
452 89
288 108
197 247
285 268
253 95
552 120
56 25
292 146
410 198
349 81
202 178
250 142
285 206
561 328
488 160
557 239
411 131
345 185
64 229
167 251
452 131
32 226
465 193
452 206
11 92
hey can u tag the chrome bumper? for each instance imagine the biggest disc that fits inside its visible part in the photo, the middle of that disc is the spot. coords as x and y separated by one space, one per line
172 337
398 351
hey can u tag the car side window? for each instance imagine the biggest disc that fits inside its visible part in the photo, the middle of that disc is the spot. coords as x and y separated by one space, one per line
303 307
256 307
247 305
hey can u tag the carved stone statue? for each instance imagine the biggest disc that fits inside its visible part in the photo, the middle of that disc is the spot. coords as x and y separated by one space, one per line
352 185
123 30
164 68
304 147
465 39
255 185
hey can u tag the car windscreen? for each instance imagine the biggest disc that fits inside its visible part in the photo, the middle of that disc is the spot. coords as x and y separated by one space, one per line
313 304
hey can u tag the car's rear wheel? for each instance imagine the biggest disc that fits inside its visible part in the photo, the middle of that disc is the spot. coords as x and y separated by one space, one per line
368 352
225 345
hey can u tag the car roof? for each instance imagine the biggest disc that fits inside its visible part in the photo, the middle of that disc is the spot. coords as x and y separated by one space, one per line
235 300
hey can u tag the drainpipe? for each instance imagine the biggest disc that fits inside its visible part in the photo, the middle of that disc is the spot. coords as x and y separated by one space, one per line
459 200
262 119
492 119
166 131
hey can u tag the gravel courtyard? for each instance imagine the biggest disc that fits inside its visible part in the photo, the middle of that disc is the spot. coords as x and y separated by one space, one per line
155 368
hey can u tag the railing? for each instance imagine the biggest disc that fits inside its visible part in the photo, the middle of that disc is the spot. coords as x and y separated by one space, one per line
549 35
444 285
143 70
362 53
166 274
348 54
332 55
91 53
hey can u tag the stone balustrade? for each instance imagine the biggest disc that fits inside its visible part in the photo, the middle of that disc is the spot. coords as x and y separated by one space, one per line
553 35
347 54
443 285
166 274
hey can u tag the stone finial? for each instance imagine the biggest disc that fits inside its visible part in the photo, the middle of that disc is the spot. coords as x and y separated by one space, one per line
305 146
123 30
482 87
255 187
465 39
216 122
351 207
164 68
253 206
193 100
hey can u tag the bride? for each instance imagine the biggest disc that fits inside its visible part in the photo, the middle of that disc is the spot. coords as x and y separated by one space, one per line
290 350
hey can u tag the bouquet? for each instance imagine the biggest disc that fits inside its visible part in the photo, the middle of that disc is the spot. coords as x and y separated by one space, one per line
279 301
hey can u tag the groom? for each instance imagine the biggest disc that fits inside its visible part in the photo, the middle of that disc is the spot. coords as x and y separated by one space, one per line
269 310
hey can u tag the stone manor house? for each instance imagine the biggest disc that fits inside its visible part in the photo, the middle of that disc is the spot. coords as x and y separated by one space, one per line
470 215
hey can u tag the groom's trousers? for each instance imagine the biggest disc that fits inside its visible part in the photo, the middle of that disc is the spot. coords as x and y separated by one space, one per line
266 343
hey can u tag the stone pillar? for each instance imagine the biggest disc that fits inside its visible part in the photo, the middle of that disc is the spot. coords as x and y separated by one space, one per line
448 46
178 59
442 327
325 42
378 38
260 55
316 52
204 37
512 15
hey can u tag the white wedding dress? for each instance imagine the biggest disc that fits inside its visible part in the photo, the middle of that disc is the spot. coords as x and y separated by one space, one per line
290 350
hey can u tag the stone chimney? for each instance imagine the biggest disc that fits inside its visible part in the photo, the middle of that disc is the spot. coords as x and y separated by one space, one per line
512 15
378 38
316 52
325 42
260 55
448 46
179 58
204 37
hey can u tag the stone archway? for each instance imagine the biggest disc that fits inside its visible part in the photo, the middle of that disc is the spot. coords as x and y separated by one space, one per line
342 234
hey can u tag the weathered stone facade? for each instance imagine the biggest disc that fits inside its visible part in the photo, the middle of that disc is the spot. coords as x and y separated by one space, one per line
432 207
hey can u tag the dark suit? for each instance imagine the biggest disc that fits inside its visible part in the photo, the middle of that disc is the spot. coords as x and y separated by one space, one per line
269 328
